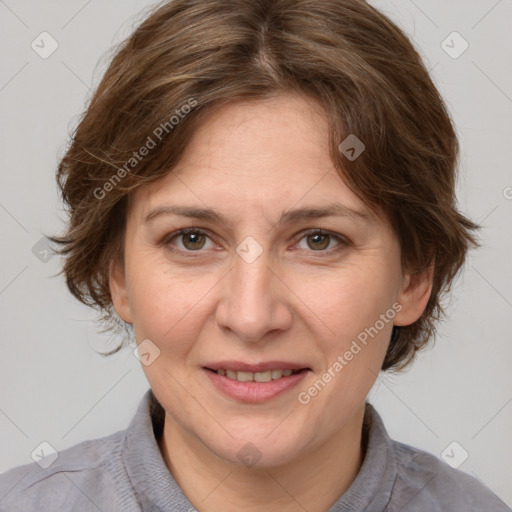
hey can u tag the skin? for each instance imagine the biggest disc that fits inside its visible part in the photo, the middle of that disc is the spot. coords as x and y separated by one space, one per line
304 299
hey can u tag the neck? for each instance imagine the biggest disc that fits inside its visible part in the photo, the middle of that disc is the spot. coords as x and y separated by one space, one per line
313 481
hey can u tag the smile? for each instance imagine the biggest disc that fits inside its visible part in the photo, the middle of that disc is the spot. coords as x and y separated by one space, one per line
265 382
265 376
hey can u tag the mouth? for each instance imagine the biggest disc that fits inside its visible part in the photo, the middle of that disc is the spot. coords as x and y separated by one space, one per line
255 383
263 376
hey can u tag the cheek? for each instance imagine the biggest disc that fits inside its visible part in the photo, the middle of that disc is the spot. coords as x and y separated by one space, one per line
354 319
167 307
351 301
354 346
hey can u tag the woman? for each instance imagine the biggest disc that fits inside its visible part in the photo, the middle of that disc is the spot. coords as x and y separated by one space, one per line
262 194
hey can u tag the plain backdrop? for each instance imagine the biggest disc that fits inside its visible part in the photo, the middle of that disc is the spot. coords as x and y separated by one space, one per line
54 387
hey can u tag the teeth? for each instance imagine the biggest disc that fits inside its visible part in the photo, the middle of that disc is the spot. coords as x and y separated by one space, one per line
277 374
263 376
266 376
244 376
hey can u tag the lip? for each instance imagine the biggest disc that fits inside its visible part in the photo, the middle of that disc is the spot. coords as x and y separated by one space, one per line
255 392
255 367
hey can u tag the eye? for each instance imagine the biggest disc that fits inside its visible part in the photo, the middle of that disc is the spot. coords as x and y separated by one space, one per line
319 240
192 240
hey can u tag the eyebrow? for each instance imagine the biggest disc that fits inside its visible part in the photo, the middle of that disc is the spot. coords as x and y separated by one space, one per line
287 217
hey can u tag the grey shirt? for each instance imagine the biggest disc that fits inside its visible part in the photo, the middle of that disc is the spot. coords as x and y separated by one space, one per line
125 472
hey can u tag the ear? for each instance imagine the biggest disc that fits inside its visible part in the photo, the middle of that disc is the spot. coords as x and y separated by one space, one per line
414 295
119 292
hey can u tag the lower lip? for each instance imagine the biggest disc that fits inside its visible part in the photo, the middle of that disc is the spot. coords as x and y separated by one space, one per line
254 392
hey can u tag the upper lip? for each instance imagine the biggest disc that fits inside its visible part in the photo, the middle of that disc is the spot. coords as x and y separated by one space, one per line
255 367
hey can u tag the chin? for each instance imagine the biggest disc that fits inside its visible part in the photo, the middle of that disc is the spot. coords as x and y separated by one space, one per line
257 448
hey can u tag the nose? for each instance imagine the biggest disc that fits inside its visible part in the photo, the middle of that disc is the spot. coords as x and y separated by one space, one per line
254 302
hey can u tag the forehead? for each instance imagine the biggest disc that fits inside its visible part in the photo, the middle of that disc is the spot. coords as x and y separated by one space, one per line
259 156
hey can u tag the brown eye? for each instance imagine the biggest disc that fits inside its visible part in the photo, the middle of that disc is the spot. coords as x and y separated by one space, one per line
322 241
318 241
189 240
193 241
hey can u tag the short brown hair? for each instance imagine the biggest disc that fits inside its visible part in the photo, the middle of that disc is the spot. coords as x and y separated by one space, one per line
358 64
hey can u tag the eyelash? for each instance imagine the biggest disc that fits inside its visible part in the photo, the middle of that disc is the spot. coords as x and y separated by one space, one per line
342 241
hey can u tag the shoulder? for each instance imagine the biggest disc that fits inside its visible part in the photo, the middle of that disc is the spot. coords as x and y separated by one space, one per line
82 477
424 482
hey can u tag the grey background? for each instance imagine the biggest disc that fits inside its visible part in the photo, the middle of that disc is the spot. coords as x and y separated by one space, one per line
55 388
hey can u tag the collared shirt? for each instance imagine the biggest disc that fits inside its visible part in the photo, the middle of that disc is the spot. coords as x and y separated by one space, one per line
126 472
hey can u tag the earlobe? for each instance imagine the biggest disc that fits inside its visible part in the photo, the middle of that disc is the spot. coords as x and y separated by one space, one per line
414 296
119 292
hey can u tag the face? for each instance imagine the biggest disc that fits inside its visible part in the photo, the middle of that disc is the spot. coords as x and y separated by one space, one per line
281 269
